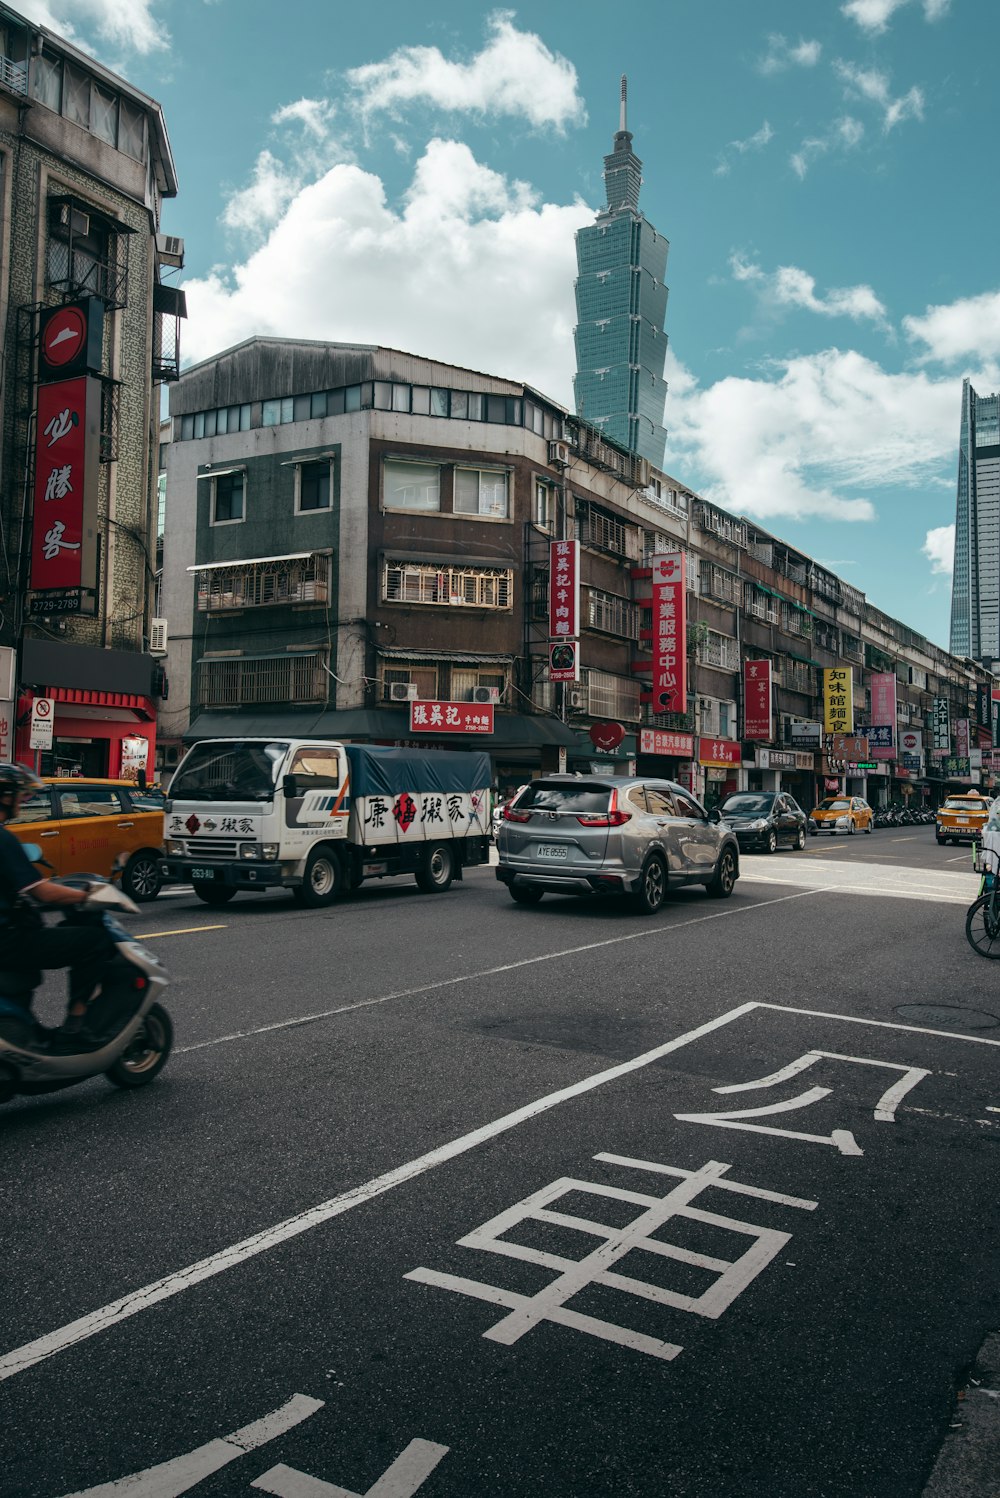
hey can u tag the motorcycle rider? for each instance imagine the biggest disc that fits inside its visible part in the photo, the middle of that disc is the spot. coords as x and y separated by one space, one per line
26 944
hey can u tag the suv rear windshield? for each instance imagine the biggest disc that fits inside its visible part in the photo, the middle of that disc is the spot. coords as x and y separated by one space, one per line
546 795
964 803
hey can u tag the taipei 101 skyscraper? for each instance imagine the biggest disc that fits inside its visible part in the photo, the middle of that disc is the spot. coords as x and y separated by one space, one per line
621 308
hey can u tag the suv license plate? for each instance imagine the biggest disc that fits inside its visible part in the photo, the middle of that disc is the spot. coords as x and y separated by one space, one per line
553 850
204 873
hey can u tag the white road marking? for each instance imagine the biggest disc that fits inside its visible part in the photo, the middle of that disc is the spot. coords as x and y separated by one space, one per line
74 1332
120 1310
172 1478
841 1139
400 1480
886 1106
575 1275
489 972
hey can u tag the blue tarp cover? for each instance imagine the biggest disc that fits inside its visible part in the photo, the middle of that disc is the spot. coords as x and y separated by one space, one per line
378 771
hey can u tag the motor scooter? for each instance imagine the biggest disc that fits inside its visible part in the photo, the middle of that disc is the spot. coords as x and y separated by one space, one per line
125 1008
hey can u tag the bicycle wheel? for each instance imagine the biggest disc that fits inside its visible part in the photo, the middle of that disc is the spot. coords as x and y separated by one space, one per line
982 926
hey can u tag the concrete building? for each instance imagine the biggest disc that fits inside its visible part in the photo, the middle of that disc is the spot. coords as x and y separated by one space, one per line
975 589
85 165
349 528
621 308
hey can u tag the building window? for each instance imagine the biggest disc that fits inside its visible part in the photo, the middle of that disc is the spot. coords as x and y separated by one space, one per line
605 532
541 509
718 650
481 491
243 681
403 683
410 486
227 498
277 412
312 486
611 697
469 684
87 253
613 615
459 587
261 584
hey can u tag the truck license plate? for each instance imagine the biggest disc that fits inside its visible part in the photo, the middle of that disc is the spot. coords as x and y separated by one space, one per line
962 821
553 850
204 874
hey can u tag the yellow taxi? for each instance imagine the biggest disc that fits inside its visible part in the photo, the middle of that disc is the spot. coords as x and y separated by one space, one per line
842 814
95 827
961 818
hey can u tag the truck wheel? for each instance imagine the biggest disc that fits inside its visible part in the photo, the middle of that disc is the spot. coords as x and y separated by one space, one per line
214 894
322 881
439 870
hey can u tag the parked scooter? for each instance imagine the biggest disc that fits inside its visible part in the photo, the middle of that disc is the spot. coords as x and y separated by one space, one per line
125 1008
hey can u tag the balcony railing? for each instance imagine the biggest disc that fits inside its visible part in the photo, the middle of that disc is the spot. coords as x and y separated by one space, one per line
14 75
262 584
246 681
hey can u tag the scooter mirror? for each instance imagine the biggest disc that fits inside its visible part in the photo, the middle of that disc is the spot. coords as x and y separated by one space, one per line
33 852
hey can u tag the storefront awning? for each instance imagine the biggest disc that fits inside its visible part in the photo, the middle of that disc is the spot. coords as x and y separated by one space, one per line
510 730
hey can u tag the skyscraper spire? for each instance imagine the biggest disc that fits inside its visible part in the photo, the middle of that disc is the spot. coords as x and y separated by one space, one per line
622 121
622 169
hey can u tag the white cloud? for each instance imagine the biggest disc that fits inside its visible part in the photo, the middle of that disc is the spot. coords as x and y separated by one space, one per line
844 134
789 286
755 142
115 23
873 85
253 209
806 434
873 16
471 268
968 328
939 549
514 74
314 115
781 55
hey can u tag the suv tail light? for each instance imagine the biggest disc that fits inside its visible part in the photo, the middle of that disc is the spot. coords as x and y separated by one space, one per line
611 818
510 815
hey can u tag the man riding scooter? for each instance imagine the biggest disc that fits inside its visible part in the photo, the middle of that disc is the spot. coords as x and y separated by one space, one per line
27 945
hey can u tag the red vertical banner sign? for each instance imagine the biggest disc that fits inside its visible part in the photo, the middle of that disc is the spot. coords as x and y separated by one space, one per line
757 722
669 632
64 523
564 590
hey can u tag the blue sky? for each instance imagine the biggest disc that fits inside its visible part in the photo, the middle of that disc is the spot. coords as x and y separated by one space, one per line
825 173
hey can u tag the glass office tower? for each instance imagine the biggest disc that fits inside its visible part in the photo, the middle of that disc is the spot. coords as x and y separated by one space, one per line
621 308
975 589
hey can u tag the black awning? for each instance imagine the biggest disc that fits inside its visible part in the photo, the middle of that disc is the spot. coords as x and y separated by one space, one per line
510 730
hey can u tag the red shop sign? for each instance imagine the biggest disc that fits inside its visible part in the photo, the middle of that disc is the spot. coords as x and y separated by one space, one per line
669 633
63 540
757 699
723 752
451 717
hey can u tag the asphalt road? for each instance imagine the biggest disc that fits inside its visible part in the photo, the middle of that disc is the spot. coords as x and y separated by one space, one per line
448 1196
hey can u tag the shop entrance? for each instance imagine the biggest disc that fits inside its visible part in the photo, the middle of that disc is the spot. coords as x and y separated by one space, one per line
88 757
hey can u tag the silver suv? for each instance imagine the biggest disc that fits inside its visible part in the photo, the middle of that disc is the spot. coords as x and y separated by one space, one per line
581 835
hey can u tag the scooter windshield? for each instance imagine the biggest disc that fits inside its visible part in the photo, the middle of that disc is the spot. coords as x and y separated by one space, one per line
228 770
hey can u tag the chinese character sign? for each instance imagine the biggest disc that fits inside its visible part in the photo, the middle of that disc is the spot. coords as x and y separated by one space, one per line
564 590
757 699
942 723
661 741
721 753
64 535
838 699
669 633
451 717
962 738
883 685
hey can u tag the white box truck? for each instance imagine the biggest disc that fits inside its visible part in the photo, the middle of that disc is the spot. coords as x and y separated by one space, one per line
318 818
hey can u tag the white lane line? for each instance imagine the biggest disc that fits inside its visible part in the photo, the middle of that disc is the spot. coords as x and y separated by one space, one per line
881 1024
926 893
174 1477
489 972
116 1311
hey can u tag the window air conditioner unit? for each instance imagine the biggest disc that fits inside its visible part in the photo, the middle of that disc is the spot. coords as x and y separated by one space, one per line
559 454
402 691
170 250
486 694
576 699
158 637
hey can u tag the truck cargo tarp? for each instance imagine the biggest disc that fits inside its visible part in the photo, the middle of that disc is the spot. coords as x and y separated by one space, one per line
379 771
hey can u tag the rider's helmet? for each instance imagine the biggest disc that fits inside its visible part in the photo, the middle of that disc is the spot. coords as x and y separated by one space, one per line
15 778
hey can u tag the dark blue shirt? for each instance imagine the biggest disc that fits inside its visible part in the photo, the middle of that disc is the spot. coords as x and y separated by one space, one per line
17 873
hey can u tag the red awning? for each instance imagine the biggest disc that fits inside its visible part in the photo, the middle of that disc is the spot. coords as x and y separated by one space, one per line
142 706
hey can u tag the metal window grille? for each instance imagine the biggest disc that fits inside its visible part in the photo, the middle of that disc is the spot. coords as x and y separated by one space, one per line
465 680
851 649
612 697
460 587
718 650
87 253
423 677
724 526
14 75
716 582
595 527
798 677
242 585
613 614
244 681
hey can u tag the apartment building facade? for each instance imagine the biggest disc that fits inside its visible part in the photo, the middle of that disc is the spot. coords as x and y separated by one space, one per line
92 329
351 529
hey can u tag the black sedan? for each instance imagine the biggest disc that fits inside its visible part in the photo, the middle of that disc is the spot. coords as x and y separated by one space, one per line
765 819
